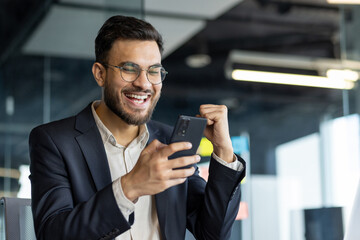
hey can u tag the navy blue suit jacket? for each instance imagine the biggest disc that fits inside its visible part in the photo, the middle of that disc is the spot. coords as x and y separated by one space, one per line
72 195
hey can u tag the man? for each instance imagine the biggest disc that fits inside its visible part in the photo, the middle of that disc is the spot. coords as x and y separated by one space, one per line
105 172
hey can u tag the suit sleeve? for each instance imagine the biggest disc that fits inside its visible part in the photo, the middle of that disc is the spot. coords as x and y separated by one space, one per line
211 209
55 214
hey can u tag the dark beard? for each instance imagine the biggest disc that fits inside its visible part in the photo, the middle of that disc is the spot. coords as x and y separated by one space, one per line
111 101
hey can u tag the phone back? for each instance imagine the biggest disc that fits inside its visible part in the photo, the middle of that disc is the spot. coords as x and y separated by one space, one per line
189 129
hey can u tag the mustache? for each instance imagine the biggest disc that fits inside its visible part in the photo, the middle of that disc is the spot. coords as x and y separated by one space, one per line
137 89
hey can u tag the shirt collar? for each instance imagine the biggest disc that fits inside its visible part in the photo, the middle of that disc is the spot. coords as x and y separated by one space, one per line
143 137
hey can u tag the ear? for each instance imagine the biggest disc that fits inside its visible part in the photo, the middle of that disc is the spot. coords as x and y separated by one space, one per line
99 73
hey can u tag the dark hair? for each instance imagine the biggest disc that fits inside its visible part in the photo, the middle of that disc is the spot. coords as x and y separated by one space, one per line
126 28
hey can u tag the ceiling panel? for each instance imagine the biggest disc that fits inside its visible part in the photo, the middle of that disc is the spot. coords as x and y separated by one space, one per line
208 9
69 31
66 32
175 31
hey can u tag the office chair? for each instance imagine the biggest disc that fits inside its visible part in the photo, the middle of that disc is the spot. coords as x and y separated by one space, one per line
16 219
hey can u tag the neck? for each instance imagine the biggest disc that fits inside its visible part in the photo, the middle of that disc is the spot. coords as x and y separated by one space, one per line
123 132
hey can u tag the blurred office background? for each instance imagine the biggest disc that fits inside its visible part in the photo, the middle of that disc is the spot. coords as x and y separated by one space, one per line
301 143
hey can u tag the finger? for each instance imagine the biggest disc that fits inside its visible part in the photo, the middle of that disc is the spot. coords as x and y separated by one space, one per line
175 147
214 112
160 146
182 173
205 106
212 108
154 146
173 182
213 117
183 161
209 122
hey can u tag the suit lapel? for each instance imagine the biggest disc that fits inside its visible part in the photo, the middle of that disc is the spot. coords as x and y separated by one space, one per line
162 209
93 148
161 199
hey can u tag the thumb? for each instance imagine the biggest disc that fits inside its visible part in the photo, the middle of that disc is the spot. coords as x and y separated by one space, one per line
154 146
209 121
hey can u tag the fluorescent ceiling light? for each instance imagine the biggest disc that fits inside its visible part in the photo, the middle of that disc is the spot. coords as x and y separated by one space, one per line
344 74
198 60
343 1
291 79
289 61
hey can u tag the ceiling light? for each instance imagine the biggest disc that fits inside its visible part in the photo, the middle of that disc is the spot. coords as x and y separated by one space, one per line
354 2
344 74
321 65
291 79
276 68
198 60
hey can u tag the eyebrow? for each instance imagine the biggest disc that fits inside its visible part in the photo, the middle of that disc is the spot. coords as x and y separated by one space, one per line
154 65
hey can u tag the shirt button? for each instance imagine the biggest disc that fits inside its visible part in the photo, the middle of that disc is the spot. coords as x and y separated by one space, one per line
112 140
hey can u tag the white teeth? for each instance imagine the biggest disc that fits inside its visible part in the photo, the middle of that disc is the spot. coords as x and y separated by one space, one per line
141 97
138 101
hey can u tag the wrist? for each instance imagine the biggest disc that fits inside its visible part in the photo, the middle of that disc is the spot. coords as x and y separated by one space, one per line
226 154
128 190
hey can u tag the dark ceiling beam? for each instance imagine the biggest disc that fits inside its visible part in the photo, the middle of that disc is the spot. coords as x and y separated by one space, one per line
328 25
24 31
309 4
232 89
288 41
131 11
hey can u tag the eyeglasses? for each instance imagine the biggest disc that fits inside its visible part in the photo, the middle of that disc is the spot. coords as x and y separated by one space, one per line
129 72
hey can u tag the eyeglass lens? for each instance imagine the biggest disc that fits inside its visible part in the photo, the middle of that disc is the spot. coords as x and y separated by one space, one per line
130 72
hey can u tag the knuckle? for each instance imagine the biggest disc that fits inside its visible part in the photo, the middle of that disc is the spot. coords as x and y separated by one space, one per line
154 142
157 167
172 147
223 108
182 161
185 173
188 160
191 171
161 176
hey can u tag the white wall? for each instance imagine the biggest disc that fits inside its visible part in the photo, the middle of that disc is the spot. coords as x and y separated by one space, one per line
299 182
264 207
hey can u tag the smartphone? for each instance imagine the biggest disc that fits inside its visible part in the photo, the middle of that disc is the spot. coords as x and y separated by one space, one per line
188 129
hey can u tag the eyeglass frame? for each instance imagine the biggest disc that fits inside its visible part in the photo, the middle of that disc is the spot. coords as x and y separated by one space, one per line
140 69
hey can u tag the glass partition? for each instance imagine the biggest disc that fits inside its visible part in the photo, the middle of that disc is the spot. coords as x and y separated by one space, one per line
43 74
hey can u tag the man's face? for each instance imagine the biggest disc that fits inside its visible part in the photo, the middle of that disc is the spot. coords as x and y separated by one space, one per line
132 102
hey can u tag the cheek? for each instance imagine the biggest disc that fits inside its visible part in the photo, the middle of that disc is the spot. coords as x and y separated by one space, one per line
116 86
157 89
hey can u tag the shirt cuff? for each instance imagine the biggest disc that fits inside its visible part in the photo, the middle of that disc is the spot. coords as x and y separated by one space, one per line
235 165
125 205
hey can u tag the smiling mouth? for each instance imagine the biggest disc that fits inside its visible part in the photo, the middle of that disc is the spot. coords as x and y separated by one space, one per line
137 98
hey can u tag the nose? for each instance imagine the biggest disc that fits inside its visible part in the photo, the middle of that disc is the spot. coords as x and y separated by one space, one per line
142 81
